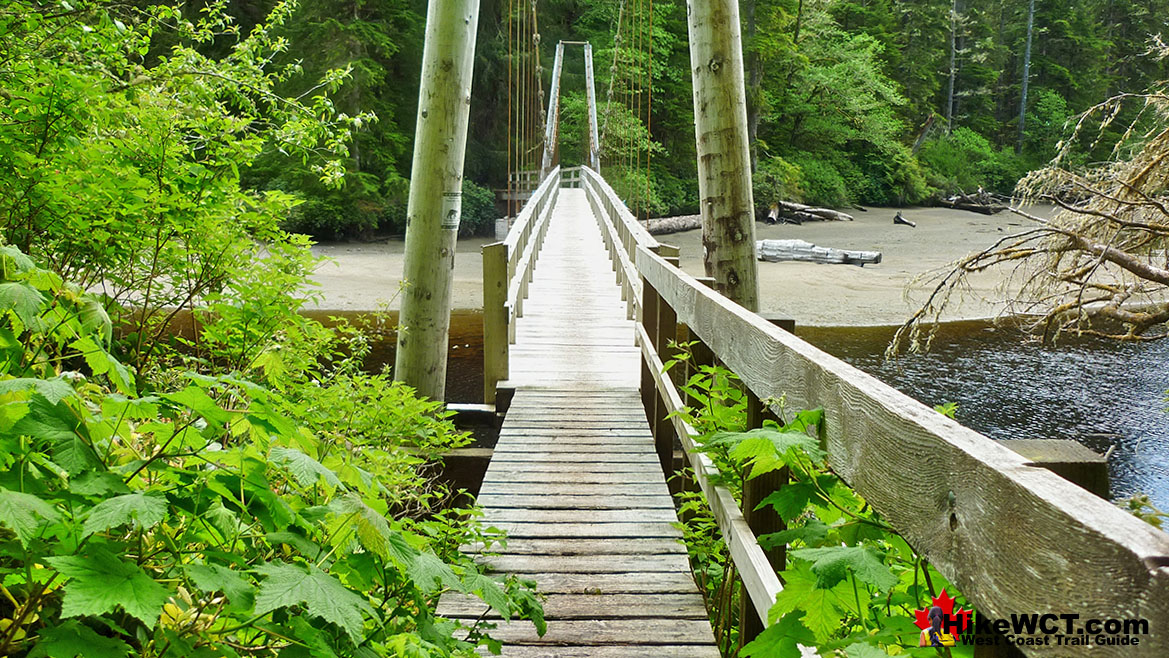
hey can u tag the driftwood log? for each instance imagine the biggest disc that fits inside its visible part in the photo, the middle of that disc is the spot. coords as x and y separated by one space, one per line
980 202
798 213
798 250
674 224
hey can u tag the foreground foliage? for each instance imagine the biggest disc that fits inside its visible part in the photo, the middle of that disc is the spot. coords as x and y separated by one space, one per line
205 518
851 583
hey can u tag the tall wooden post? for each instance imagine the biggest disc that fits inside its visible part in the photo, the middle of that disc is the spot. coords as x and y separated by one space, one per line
552 123
436 179
724 161
591 94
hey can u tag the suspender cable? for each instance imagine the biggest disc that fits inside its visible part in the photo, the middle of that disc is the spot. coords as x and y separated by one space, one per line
649 105
510 93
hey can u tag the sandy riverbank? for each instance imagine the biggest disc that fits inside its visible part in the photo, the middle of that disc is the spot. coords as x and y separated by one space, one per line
364 276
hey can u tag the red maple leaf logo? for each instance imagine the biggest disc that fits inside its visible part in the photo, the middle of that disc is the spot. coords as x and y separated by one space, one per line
946 603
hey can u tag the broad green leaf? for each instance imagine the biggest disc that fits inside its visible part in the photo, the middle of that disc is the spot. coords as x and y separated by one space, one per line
24 514
54 390
373 531
195 399
780 640
306 470
13 261
832 563
811 533
98 483
142 510
100 582
822 615
287 585
789 501
430 573
213 578
22 300
864 650
72 639
59 425
95 319
489 591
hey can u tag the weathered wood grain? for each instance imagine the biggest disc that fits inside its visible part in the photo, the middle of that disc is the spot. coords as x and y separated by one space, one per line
559 546
611 651
590 606
607 631
616 563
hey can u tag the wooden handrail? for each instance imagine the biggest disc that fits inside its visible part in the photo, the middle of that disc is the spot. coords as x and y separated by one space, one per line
622 235
1013 538
507 270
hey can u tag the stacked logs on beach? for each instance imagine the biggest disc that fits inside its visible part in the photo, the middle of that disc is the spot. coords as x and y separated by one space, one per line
980 202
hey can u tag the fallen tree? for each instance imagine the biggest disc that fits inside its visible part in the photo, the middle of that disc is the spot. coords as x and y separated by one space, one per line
799 250
674 224
980 202
1098 265
799 213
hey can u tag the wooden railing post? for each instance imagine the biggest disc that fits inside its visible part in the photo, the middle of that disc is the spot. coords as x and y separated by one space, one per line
495 325
649 319
664 436
762 521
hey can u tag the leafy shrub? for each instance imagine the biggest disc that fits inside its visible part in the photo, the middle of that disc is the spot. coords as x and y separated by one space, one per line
964 160
479 213
775 179
214 517
822 183
850 582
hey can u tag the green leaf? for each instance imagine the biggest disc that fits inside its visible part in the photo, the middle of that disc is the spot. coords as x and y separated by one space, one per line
832 563
21 299
373 531
812 532
95 319
25 514
789 501
98 483
54 390
59 425
72 639
213 578
322 595
430 573
306 470
101 582
195 399
780 640
864 650
143 510
489 591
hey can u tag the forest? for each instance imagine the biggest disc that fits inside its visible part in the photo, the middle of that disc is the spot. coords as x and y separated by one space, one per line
883 102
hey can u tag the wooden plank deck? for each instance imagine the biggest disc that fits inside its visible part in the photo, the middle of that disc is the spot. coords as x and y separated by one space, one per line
574 478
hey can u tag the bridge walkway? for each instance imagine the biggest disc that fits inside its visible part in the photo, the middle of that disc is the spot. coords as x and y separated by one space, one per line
575 479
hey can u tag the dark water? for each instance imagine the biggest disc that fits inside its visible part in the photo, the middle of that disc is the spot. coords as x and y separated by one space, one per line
1102 394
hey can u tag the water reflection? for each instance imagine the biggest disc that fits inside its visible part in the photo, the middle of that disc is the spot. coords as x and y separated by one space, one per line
1100 393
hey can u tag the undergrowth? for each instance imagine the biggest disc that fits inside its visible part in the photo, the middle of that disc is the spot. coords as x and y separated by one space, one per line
851 583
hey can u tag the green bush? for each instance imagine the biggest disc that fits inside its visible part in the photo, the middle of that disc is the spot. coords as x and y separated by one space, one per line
775 179
479 212
964 160
822 183
204 514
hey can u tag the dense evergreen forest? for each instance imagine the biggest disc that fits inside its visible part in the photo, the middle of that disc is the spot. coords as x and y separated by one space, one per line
851 101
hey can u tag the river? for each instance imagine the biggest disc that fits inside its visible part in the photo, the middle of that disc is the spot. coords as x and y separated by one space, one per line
1100 393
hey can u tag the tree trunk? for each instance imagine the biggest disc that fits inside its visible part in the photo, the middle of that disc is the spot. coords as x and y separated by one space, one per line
436 177
1026 75
953 66
754 76
724 160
